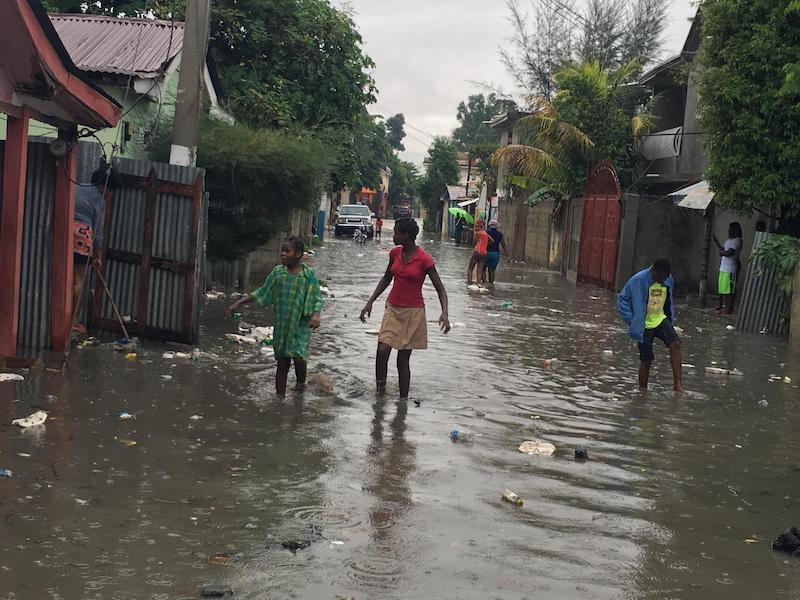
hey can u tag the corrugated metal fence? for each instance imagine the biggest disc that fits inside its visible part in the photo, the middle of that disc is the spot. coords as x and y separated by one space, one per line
762 307
156 233
37 251
155 251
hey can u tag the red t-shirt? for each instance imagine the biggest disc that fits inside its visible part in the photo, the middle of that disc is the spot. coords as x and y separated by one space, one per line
481 241
408 277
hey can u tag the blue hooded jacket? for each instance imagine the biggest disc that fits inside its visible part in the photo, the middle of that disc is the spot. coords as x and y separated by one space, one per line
632 302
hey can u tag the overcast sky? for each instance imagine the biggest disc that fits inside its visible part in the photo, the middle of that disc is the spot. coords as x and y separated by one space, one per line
429 54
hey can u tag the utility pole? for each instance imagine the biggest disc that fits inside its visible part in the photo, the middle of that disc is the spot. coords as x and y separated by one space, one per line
189 105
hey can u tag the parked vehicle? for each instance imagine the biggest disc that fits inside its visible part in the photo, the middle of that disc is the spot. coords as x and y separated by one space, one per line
402 210
353 217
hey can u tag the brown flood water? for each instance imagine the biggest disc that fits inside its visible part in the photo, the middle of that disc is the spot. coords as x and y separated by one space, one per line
389 506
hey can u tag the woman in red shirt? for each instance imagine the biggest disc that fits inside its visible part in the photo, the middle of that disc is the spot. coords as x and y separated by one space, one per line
404 326
479 251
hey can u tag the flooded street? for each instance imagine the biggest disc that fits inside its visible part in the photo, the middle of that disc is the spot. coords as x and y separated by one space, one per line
680 498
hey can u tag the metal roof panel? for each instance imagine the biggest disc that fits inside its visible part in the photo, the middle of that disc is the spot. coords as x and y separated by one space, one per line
103 44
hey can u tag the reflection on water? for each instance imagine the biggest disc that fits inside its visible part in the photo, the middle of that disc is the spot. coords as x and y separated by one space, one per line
381 502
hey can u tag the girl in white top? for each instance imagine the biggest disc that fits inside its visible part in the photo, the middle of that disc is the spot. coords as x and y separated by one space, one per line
729 267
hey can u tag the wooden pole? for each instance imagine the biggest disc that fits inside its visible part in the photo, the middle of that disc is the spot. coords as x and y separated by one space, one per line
11 224
709 228
63 245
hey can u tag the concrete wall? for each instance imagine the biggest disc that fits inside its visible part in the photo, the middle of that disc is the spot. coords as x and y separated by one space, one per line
537 239
653 227
253 269
543 234
692 161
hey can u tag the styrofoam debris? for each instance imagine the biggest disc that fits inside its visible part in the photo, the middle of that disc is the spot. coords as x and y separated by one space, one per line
240 339
181 355
477 289
168 355
11 377
262 333
32 420
536 447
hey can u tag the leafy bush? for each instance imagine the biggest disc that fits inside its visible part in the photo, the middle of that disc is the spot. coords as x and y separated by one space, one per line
780 252
256 178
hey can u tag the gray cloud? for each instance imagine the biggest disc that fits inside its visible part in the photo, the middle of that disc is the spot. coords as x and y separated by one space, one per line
429 54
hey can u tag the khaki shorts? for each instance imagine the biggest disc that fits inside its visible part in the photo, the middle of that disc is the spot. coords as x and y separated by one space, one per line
404 328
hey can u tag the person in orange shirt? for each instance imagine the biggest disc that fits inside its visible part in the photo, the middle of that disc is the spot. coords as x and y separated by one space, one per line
479 250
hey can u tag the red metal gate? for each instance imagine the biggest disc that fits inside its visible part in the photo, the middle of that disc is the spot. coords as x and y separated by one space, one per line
600 231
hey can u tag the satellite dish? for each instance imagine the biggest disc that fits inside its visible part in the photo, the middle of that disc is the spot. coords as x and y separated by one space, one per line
60 147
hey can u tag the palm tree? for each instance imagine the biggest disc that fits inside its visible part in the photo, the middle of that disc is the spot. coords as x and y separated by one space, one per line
596 114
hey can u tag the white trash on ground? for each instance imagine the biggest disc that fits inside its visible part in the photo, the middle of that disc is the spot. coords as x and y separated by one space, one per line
720 371
168 355
240 339
32 420
11 377
532 447
262 333
477 289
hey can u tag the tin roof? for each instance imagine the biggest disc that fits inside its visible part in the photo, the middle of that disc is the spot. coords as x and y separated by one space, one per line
695 197
102 44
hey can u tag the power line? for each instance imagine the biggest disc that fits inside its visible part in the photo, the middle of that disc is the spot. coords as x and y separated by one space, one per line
422 131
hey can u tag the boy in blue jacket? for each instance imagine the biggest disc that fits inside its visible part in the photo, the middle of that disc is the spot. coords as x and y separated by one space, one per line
645 304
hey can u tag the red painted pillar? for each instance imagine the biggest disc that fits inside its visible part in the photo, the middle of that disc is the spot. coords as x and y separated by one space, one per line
13 209
63 216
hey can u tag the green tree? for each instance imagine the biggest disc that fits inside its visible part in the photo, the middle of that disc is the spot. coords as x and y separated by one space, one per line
551 35
749 106
596 114
256 177
441 170
395 131
472 116
283 63
404 180
482 155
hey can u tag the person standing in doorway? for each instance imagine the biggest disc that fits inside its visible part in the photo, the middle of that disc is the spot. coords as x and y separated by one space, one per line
493 249
729 267
404 327
293 290
646 306
459 230
89 222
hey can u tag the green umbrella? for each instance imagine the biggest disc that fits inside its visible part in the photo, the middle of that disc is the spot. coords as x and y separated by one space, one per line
460 212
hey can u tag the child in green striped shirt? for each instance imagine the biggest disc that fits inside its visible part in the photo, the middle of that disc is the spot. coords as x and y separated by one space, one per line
293 290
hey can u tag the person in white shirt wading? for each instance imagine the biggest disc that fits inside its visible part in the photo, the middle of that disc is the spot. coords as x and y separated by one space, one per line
729 267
